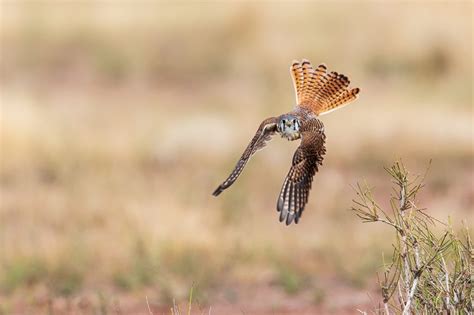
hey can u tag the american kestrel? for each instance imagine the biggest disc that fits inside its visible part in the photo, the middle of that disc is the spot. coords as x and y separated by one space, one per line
317 92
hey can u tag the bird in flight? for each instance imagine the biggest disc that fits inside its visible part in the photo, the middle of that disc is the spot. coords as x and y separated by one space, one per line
318 92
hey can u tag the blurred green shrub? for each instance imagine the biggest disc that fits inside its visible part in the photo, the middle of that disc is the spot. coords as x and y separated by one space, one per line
22 272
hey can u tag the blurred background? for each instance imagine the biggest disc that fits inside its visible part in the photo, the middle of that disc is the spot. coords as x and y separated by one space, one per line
119 119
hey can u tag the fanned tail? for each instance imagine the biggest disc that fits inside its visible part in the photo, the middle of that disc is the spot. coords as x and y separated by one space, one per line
318 90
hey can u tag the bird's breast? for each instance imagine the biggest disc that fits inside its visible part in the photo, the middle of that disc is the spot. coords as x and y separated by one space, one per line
290 135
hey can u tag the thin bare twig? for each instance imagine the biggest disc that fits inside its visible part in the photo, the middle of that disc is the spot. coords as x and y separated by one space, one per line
148 305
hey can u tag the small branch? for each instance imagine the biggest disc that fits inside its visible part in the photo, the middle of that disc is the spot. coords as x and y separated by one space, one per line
385 304
406 287
406 268
406 264
402 197
446 277
416 277
400 296
406 310
417 255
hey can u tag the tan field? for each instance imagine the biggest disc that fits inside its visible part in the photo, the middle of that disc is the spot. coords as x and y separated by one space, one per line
118 120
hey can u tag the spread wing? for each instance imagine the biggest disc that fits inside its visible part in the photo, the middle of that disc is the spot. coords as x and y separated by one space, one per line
297 185
320 91
264 133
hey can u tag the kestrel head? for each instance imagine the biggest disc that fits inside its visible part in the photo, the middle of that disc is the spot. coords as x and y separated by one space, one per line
289 127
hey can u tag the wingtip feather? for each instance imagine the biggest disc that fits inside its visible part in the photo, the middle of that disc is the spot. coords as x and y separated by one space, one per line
282 216
297 219
290 217
279 204
217 191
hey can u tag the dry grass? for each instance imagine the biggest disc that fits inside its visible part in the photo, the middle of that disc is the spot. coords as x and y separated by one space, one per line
117 124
